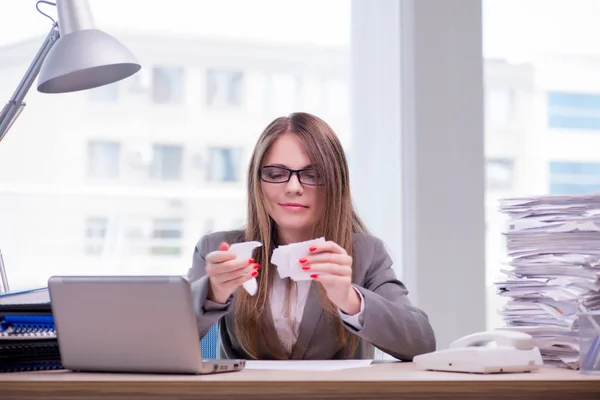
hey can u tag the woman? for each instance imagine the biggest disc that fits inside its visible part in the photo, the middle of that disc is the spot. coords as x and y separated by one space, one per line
298 189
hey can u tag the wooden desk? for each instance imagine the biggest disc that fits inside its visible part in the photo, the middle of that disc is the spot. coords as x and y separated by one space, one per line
378 381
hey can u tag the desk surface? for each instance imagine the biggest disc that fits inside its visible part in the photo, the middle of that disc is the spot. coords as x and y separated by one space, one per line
382 380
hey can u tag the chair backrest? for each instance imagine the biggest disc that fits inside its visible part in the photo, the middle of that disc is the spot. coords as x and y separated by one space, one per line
208 345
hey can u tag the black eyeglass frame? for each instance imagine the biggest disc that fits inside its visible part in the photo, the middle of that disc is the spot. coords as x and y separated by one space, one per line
290 173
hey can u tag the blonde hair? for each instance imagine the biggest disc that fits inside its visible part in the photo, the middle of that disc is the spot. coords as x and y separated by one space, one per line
338 222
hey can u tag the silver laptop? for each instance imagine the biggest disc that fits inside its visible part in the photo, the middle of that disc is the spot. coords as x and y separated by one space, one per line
129 324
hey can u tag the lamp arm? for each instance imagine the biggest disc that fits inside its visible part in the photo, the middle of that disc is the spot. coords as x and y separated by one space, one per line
13 108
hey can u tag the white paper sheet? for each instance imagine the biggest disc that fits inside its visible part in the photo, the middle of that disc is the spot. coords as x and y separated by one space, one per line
307 365
244 250
286 259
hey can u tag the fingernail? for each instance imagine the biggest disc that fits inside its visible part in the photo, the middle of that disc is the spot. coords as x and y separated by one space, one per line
306 267
256 266
314 276
250 260
254 273
312 248
302 260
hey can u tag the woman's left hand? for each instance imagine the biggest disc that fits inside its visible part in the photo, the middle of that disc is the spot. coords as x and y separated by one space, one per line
329 264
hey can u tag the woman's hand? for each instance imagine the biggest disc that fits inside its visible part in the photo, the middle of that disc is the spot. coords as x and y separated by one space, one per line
329 258
226 273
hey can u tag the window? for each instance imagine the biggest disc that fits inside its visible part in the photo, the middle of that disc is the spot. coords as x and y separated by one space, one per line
224 88
166 162
571 178
103 159
223 164
499 173
167 85
107 93
571 110
168 228
167 234
543 83
149 158
95 234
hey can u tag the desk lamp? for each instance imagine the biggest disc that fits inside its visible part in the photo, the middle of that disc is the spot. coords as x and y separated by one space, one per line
75 56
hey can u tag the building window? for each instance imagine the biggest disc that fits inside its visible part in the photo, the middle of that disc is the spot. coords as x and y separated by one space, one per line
106 93
573 110
499 107
167 85
103 159
95 235
223 164
571 178
167 234
499 173
166 162
224 88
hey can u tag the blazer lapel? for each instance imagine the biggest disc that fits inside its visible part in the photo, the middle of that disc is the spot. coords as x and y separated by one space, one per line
313 312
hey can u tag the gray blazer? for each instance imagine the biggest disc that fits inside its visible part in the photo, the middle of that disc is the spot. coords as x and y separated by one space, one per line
389 322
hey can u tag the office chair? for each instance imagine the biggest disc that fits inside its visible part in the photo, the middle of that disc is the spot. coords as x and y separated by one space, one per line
208 345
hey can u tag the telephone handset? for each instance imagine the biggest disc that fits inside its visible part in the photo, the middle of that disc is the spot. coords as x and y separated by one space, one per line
518 340
513 352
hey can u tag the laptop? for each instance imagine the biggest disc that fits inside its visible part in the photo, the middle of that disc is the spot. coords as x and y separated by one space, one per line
143 324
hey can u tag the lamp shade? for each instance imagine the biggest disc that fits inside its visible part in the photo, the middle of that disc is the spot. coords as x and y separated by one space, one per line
84 60
83 57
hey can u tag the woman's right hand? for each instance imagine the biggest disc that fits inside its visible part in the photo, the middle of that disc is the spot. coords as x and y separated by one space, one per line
226 273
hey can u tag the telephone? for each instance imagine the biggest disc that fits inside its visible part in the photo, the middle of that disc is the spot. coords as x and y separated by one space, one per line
514 352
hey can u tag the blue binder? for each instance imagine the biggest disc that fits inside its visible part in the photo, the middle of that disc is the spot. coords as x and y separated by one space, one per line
20 324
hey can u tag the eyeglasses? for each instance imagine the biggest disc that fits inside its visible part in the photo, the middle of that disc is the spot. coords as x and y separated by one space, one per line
307 176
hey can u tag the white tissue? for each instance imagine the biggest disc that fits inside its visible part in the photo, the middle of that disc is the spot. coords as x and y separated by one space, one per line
244 250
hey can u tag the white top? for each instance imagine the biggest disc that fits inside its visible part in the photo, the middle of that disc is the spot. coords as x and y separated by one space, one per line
287 326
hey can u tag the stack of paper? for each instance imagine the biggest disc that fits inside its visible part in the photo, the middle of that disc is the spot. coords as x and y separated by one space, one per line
553 270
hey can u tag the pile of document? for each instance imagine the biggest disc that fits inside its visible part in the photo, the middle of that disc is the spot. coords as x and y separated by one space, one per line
553 270
28 338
